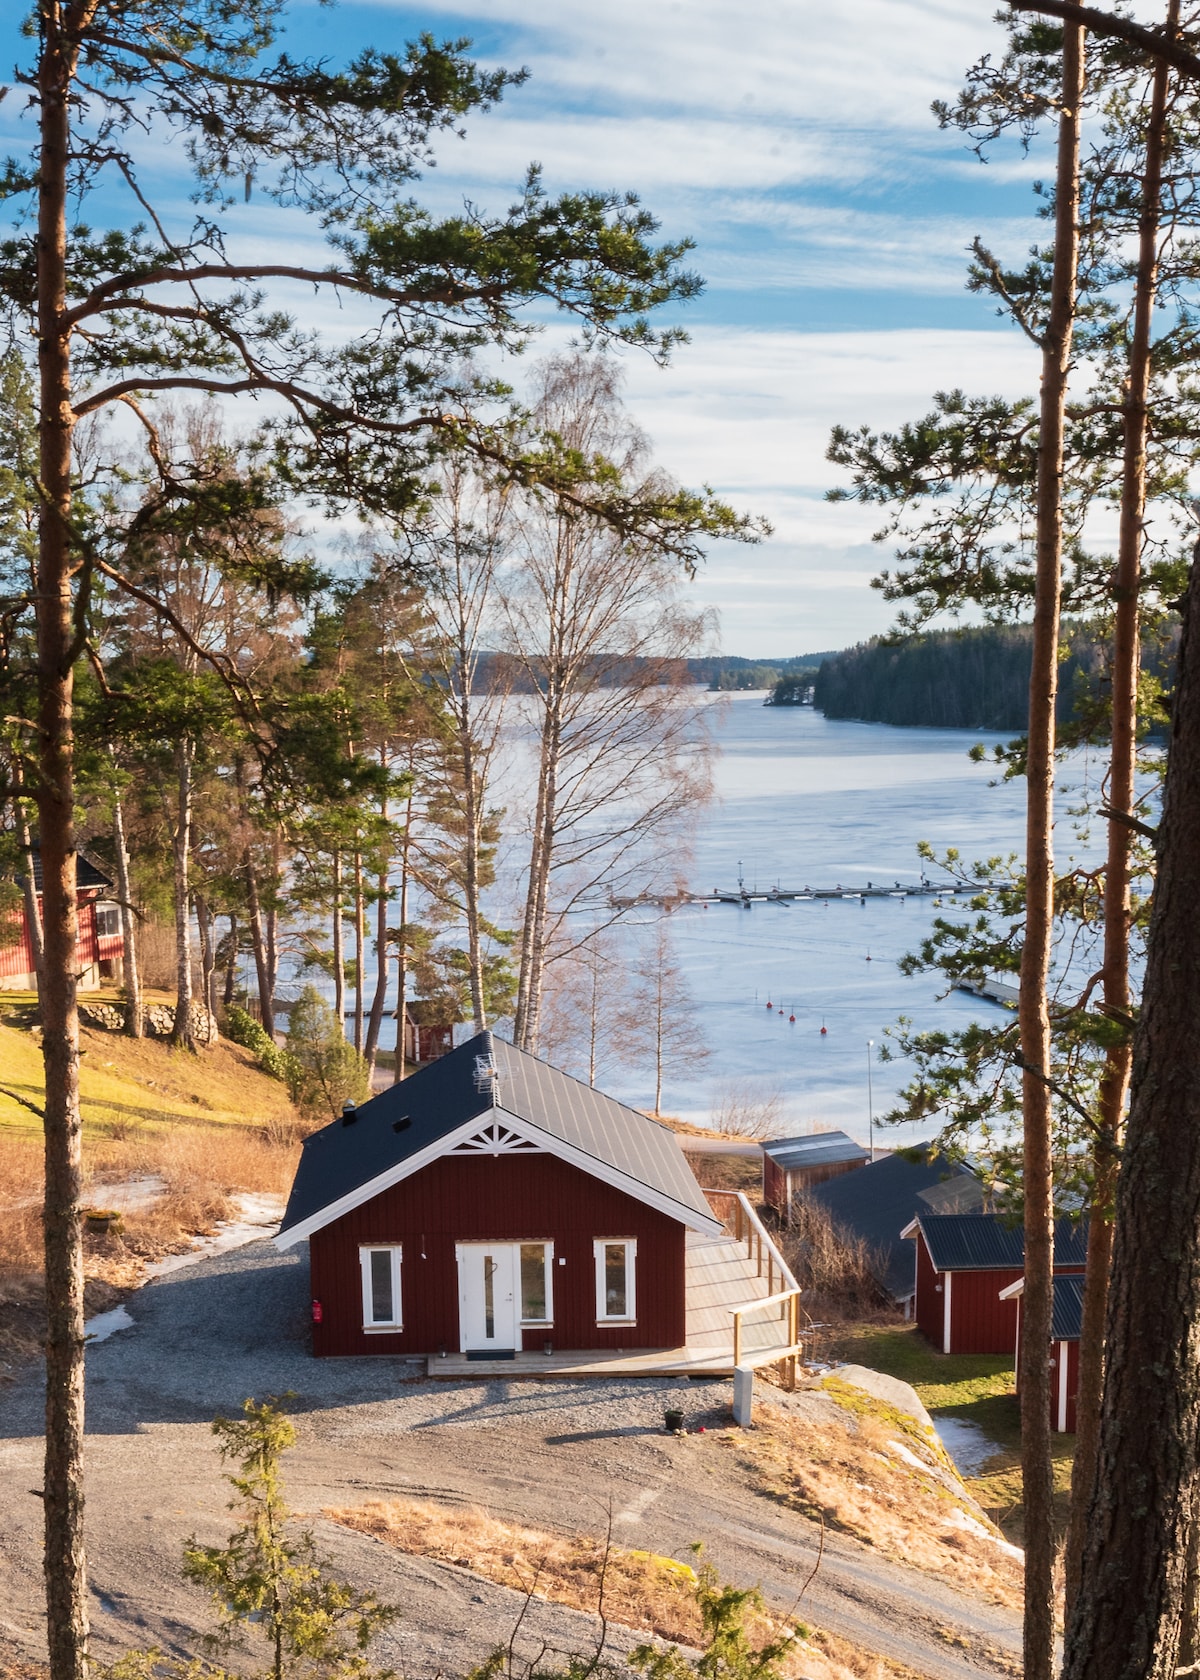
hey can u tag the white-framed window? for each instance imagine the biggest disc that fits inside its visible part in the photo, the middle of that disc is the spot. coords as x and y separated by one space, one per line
381 1286
537 1283
616 1300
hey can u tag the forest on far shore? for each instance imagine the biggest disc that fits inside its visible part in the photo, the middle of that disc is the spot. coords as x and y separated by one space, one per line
974 678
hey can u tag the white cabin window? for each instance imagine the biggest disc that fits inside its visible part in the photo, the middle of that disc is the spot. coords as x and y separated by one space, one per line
537 1283
615 1295
381 1287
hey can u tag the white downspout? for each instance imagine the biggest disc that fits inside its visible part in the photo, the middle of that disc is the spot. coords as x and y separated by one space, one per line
949 1278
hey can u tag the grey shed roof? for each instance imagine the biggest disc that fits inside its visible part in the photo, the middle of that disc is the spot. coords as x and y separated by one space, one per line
411 1118
820 1149
1068 1309
877 1201
982 1242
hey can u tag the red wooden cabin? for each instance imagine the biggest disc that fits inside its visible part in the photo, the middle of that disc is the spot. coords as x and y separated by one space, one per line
1064 1347
965 1263
488 1205
101 943
792 1165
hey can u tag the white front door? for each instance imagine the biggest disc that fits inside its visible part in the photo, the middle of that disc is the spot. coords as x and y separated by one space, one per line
487 1297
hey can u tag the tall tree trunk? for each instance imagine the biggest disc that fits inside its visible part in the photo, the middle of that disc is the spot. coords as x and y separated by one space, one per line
271 918
134 1024
471 889
379 996
33 903
64 1561
339 946
181 1032
1037 1468
359 949
1126 664
1145 1503
231 961
541 858
208 956
266 1001
399 1067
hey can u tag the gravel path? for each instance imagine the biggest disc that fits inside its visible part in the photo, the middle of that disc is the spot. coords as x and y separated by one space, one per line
554 1453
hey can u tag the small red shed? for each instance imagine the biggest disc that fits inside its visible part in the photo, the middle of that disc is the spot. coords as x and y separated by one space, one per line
490 1204
101 944
1064 1347
791 1165
964 1264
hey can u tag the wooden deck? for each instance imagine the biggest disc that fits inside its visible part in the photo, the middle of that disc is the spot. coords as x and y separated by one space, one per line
721 1276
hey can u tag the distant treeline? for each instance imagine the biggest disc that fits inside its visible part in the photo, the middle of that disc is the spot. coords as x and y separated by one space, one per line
717 671
961 679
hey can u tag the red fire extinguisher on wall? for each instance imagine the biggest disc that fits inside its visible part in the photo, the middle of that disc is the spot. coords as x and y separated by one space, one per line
317 1314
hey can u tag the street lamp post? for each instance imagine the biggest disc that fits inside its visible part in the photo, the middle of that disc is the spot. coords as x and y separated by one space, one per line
870 1097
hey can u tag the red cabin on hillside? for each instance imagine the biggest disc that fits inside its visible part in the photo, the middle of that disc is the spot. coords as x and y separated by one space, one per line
965 1263
793 1165
101 942
1064 1347
489 1205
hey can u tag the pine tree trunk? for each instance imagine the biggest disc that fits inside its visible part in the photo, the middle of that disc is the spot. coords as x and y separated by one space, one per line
181 1032
131 976
359 949
231 961
379 997
1134 1572
33 904
271 919
1126 665
1037 1468
398 1066
339 946
64 1560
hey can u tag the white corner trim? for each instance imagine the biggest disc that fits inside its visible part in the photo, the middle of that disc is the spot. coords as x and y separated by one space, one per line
1064 1353
1013 1290
912 1229
546 1141
948 1280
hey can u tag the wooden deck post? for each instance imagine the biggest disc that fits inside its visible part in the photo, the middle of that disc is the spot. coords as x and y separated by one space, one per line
737 1337
758 1239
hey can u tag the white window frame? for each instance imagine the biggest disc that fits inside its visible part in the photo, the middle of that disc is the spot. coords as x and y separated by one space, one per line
396 1322
629 1316
548 1268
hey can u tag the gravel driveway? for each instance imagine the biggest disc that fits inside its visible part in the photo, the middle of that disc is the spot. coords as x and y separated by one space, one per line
560 1454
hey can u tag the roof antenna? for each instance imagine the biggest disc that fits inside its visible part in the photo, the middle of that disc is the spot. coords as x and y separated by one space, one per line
487 1075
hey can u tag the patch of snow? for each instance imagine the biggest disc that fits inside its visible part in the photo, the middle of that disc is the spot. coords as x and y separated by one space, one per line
130 1195
967 1444
106 1324
907 1455
257 1214
962 1519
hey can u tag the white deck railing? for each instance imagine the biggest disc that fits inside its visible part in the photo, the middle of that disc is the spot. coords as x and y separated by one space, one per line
762 1249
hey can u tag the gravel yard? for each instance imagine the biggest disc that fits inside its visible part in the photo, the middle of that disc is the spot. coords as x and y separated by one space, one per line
569 1456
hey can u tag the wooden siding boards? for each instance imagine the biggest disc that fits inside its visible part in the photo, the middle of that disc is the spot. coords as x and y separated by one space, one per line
500 1198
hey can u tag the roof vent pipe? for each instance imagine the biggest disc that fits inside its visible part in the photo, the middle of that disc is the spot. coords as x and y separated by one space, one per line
349 1113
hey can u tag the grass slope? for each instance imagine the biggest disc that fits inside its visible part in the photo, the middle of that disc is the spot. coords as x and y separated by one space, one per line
975 1387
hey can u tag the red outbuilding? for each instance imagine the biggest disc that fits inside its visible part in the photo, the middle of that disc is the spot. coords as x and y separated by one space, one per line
965 1263
1064 1347
101 945
793 1165
490 1204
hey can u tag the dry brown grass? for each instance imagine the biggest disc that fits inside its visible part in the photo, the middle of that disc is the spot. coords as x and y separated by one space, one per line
846 1470
837 1272
727 1172
650 1594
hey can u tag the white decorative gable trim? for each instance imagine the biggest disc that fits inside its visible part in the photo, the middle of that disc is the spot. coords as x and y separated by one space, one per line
497 1139
527 1139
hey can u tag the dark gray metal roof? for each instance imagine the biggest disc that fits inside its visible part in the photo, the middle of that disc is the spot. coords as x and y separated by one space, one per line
437 1100
877 1201
1068 1309
87 874
982 1242
820 1149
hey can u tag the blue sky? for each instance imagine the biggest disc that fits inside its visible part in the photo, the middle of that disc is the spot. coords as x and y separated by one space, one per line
792 140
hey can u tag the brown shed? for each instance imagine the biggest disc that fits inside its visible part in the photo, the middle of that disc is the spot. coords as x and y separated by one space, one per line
792 1165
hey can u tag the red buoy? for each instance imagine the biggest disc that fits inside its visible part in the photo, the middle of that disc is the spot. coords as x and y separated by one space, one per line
770 1005
792 1019
822 1029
